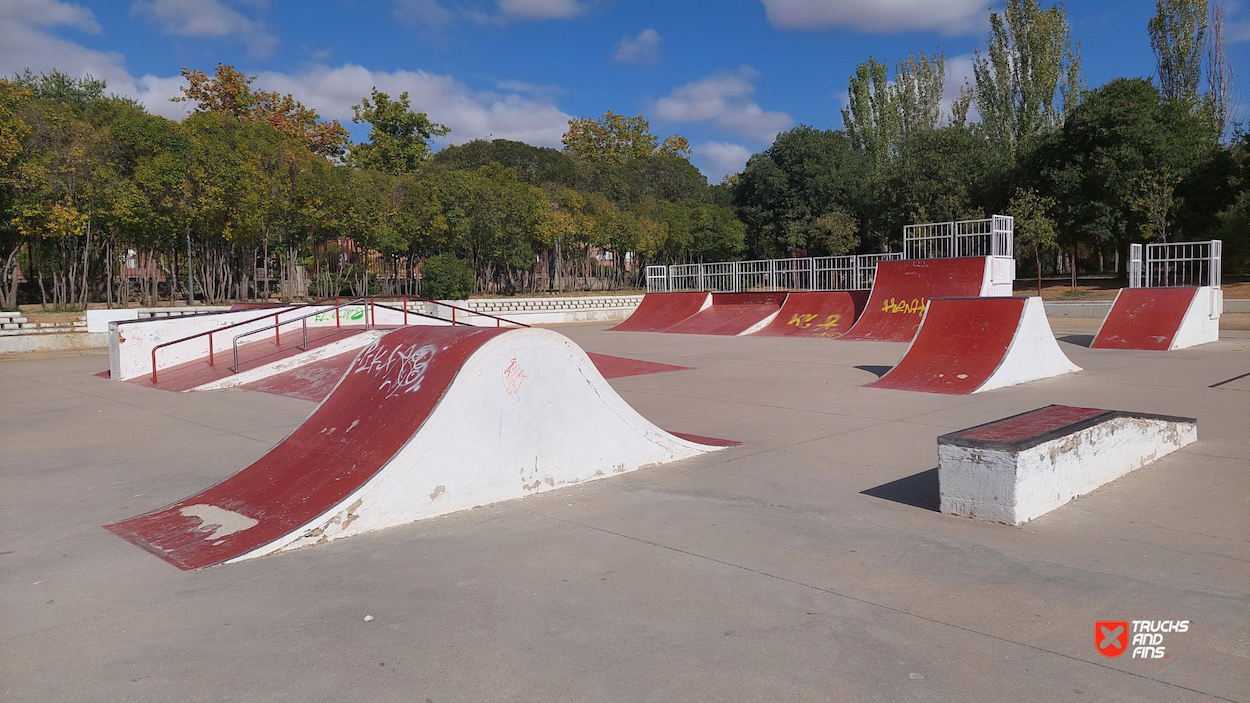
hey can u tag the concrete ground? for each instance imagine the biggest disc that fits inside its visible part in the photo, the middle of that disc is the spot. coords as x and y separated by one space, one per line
806 564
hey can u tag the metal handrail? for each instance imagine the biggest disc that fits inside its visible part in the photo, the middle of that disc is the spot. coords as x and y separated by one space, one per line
210 334
371 300
301 318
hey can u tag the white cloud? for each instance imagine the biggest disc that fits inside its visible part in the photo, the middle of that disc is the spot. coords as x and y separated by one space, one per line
421 13
470 114
719 159
205 18
958 73
724 98
644 48
26 43
540 9
883 16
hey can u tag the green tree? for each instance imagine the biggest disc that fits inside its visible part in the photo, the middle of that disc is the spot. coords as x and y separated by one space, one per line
807 174
444 277
1122 160
1177 34
399 139
1030 75
1035 231
615 138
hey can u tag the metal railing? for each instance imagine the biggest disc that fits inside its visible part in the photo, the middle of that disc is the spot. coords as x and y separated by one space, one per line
813 273
370 321
1176 264
939 240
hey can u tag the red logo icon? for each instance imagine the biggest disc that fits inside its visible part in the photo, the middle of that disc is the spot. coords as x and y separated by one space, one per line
1111 636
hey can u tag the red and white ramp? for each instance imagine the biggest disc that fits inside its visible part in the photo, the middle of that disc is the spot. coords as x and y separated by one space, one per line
1161 319
426 421
732 314
658 311
826 314
971 345
901 291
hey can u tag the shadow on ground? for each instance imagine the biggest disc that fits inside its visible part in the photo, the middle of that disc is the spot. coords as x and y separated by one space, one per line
1081 340
877 371
918 490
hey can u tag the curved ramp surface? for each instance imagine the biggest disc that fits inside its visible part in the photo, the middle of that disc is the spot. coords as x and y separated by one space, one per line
426 421
824 314
732 314
660 310
901 291
971 345
1159 319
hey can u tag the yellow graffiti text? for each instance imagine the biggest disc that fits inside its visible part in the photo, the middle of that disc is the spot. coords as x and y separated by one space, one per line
916 306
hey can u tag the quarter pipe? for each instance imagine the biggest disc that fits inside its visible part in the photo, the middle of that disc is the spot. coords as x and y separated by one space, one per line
971 345
1161 319
901 291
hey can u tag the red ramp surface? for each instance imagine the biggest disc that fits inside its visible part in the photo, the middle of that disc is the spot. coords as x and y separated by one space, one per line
968 345
426 421
1144 318
315 381
346 440
732 314
901 292
660 310
826 314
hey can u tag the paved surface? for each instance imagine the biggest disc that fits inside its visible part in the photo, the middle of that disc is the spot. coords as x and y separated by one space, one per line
806 564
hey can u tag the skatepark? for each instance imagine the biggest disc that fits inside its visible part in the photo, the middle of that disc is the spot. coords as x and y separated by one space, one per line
747 508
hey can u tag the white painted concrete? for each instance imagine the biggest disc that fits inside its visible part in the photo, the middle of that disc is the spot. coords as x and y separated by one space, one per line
1001 277
528 412
54 341
1201 323
131 343
760 325
342 346
1033 354
1014 487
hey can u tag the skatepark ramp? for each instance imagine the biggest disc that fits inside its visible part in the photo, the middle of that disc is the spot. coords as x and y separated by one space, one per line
1160 319
732 314
827 314
426 421
971 345
658 311
902 290
1174 299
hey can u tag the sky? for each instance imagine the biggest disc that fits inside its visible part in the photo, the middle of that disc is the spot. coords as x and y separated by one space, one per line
727 75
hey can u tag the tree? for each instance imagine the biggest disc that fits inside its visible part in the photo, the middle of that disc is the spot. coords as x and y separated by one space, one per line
1034 229
615 138
1120 162
1029 77
398 137
882 115
229 92
1221 91
1177 32
14 132
61 88
870 116
807 174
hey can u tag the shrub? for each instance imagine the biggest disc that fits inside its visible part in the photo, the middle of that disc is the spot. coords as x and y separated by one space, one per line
444 277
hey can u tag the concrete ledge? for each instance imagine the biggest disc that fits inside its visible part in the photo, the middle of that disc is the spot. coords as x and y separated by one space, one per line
52 341
1021 467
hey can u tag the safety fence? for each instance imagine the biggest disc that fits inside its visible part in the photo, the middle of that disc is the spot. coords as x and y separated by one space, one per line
941 240
813 273
1175 264
989 237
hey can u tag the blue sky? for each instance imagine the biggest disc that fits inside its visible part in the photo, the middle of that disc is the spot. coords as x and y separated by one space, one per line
727 75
